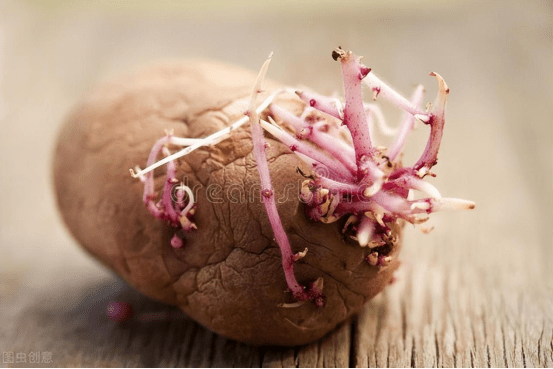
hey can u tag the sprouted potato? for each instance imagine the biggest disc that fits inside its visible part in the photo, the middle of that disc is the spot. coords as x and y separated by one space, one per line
268 238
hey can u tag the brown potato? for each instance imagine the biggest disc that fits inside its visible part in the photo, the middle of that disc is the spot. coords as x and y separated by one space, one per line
228 276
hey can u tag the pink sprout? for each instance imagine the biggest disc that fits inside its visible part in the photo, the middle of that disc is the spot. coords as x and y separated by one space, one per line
350 178
170 207
119 311
299 292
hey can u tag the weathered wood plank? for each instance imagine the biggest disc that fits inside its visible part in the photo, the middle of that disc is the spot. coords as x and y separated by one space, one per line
279 358
308 356
438 313
335 348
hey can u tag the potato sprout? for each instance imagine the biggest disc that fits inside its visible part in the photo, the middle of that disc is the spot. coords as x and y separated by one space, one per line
350 178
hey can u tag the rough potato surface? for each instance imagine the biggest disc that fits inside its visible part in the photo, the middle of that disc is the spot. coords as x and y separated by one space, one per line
228 276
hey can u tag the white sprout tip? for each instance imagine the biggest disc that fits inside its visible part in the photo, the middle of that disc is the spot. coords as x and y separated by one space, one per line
379 217
371 191
441 82
303 132
422 117
271 128
133 174
318 284
365 231
300 255
455 204
376 216
291 305
429 189
363 238
372 258
351 219
138 173
420 205
422 172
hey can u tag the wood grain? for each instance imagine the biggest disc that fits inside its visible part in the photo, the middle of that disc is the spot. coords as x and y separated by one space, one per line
444 310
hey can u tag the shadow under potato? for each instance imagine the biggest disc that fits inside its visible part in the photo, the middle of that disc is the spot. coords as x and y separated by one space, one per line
72 323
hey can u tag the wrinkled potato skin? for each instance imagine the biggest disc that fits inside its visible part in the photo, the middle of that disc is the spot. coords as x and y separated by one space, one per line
228 276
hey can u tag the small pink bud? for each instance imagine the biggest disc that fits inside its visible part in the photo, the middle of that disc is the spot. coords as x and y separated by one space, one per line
176 242
119 311
372 258
267 192
319 302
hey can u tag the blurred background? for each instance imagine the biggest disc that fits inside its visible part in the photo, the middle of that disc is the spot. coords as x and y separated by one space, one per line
496 57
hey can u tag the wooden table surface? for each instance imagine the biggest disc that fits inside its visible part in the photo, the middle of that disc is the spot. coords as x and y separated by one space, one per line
476 292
